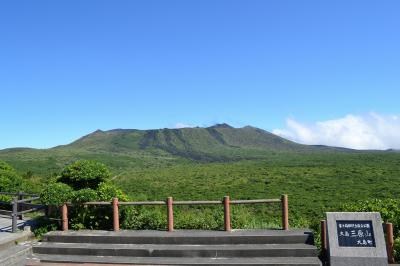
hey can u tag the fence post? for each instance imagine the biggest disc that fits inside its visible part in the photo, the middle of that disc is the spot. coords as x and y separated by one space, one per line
285 212
324 244
389 242
64 213
14 215
20 197
115 214
227 214
170 214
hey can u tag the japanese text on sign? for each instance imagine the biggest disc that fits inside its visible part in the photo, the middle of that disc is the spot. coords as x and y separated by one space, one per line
355 234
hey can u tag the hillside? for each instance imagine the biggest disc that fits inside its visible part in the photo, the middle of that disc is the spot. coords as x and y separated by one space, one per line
123 149
208 163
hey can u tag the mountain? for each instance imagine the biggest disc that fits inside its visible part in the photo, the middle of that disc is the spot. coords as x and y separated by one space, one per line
124 148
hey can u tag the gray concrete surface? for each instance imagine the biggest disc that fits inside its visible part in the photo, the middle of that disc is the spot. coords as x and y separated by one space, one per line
181 247
305 261
356 256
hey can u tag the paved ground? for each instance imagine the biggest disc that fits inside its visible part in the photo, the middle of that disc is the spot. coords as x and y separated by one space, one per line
5 224
7 238
10 253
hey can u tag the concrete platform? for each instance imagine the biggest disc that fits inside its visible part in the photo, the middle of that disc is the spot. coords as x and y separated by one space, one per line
181 247
183 237
13 250
15 255
151 250
276 261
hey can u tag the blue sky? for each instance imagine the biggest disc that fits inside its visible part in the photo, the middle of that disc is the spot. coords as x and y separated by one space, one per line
70 67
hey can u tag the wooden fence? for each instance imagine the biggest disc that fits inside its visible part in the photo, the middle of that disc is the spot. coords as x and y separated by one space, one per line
169 203
21 204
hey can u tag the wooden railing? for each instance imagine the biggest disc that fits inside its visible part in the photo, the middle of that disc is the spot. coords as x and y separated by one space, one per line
169 203
21 206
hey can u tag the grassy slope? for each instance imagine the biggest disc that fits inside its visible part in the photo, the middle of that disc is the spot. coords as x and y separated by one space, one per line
208 163
315 182
127 149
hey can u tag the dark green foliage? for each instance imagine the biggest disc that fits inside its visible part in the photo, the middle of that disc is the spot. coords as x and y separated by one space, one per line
56 194
209 163
123 149
94 217
5 167
84 174
10 180
42 226
84 195
108 191
143 218
389 210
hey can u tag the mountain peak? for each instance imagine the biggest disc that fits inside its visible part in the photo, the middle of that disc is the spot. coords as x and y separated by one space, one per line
223 125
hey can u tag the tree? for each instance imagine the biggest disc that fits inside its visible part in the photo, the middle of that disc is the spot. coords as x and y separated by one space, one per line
84 174
10 181
6 167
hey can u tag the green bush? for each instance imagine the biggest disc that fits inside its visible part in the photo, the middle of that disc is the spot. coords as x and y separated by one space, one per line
42 226
10 181
144 218
107 191
390 212
83 195
5 166
84 174
80 182
56 194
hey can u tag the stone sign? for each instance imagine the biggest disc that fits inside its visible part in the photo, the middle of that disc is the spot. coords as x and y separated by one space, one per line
356 239
355 233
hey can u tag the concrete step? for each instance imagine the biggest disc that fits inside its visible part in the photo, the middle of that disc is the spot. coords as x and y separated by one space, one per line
172 250
8 240
15 255
39 259
183 237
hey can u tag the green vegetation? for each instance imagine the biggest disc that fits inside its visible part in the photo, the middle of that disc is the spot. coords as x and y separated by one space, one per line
84 174
10 181
390 212
207 164
80 182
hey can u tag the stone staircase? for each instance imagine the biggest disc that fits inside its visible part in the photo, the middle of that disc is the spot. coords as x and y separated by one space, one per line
14 248
239 247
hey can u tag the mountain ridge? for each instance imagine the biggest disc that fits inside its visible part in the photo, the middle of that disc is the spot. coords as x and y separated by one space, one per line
122 148
214 131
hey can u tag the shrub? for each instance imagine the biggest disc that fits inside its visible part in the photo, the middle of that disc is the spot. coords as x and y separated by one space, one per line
10 181
6 167
81 182
88 217
107 191
56 194
84 195
390 212
84 174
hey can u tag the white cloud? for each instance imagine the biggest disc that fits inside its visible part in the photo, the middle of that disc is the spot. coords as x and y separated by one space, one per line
370 131
182 125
